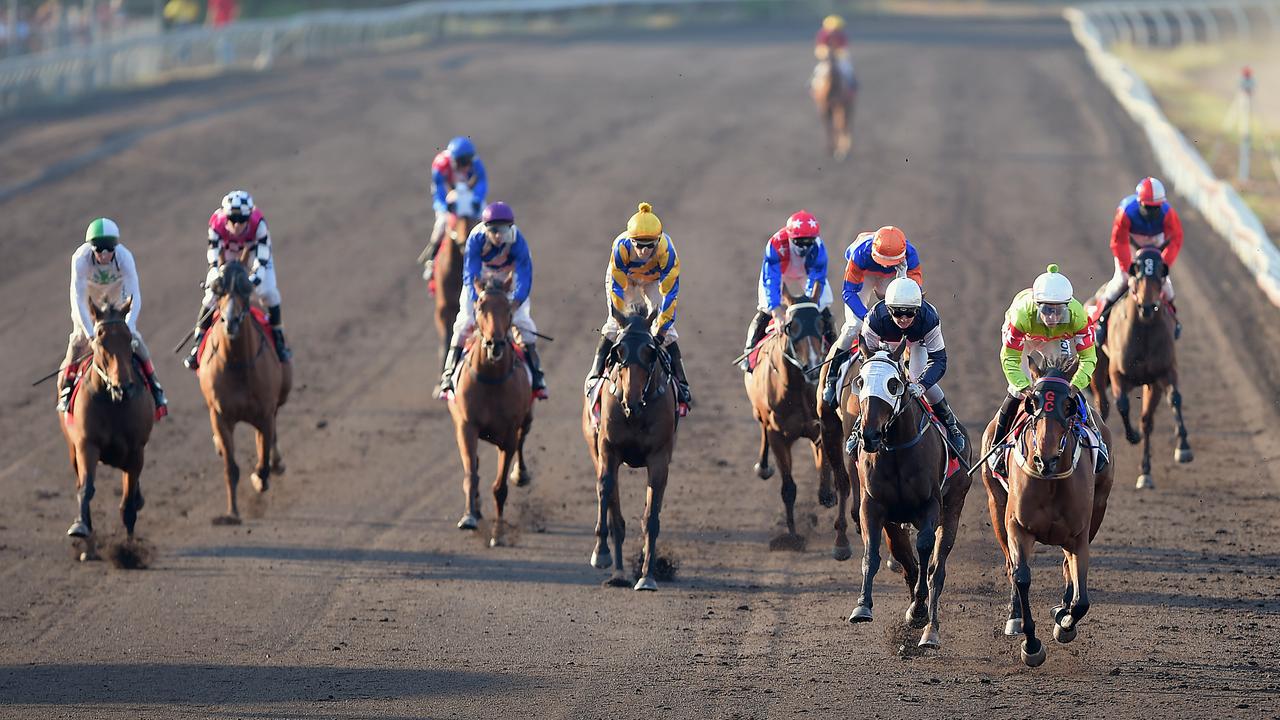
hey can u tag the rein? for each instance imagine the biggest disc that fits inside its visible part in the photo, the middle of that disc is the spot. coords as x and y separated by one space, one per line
659 356
1075 429
118 393
510 343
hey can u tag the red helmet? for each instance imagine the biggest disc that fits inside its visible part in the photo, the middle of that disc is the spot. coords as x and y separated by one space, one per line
1150 191
802 225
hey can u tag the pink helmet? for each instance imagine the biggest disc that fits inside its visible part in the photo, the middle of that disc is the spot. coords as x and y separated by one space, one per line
802 225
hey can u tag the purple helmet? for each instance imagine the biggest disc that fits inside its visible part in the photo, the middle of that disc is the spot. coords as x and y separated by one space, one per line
498 212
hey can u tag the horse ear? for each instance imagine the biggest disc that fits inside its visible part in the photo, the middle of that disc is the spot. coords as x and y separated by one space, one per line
244 254
897 354
863 350
653 315
94 313
127 306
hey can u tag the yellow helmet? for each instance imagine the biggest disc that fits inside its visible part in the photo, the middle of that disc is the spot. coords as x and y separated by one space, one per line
644 224
833 22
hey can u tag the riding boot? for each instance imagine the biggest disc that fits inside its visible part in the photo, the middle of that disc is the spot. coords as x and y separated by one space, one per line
277 334
1177 324
157 392
682 382
450 366
203 322
535 369
948 418
830 389
1103 457
597 366
755 333
66 383
429 253
1008 409
828 327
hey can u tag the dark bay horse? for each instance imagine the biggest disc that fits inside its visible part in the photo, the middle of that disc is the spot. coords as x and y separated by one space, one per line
110 420
637 426
1140 351
448 272
493 401
834 99
903 474
1052 496
243 381
784 399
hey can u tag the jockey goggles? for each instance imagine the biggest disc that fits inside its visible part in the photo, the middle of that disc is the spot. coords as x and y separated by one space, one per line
1053 313
647 244
103 245
903 312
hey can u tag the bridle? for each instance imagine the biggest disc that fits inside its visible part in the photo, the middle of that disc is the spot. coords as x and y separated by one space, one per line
1147 266
494 348
1073 426
628 354
800 333
895 400
117 393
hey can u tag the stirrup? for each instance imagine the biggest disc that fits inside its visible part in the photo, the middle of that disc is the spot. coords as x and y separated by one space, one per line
192 361
64 399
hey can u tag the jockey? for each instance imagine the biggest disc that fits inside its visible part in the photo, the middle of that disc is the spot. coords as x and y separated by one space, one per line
458 185
903 316
831 39
102 270
1143 219
496 248
1045 312
874 261
794 254
643 267
233 228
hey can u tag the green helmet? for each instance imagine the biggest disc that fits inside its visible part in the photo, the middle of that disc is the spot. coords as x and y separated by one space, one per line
102 234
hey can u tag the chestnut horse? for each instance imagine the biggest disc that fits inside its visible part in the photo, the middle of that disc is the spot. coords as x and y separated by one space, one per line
493 401
903 476
637 426
243 381
834 98
1052 495
1140 350
783 399
110 420
448 269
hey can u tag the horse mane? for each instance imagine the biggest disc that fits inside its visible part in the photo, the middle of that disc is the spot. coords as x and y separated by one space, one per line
1059 364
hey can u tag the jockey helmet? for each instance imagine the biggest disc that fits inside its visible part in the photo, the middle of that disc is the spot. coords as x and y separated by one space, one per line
802 225
498 212
902 293
460 150
889 247
1051 293
102 234
644 225
833 23
1150 191
237 205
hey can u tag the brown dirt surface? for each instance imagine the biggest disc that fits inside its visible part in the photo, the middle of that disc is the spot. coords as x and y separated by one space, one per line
348 593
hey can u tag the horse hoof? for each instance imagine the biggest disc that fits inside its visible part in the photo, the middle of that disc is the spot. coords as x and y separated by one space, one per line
259 483
1064 635
1035 659
646 583
1145 483
1183 455
599 561
138 501
764 472
468 522
496 542
521 479
930 638
277 466
1013 626
917 616
826 498
893 565
1133 439
860 614
842 552
226 520
78 530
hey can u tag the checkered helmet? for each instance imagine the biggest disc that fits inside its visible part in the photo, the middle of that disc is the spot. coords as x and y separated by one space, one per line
237 204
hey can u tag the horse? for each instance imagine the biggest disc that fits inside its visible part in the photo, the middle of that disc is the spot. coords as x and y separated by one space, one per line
243 381
493 401
109 421
637 426
448 269
835 99
903 476
1140 350
1050 497
784 399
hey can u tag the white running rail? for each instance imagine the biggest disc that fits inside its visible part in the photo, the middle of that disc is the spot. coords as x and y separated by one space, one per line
1165 23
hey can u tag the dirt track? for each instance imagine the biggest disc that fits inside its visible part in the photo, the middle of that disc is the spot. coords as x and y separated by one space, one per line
348 593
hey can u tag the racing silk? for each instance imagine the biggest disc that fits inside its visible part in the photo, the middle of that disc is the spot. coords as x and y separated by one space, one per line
225 245
831 38
483 260
925 331
443 178
861 268
1130 230
627 269
100 284
1023 328
782 262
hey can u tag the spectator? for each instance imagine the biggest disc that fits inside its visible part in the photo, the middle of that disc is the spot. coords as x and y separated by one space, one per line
222 12
180 14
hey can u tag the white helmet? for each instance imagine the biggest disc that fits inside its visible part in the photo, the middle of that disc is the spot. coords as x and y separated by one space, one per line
1052 287
237 203
902 292
1150 191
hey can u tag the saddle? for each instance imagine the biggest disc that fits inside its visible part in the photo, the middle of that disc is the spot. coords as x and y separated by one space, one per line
82 372
259 315
522 360
596 393
1087 439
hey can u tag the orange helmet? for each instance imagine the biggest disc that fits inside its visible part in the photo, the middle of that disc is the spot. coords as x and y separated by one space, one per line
889 247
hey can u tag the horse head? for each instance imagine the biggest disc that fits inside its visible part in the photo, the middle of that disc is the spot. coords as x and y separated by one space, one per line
803 331
113 349
635 355
881 386
1147 273
493 317
1055 409
233 288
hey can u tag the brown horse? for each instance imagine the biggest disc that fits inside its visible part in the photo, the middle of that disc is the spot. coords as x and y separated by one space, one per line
493 401
448 281
110 420
1140 350
1053 496
903 470
637 426
784 400
834 98
243 381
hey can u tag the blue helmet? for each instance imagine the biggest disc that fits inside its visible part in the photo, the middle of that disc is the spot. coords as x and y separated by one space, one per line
461 149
